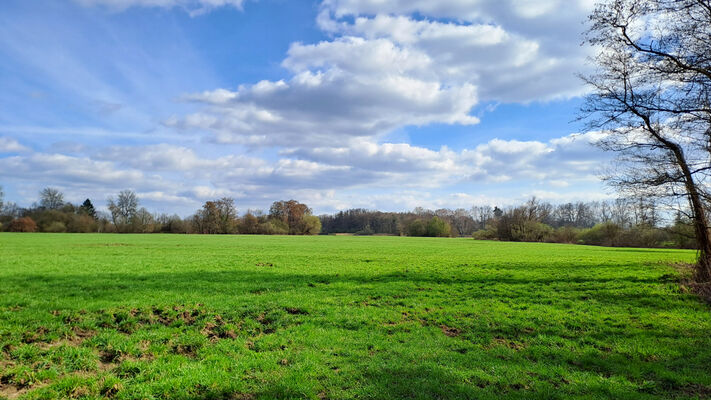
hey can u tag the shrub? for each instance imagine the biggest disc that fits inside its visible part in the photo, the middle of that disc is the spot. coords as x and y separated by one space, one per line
605 234
565 234
249 224
437 227
82 223
531 231
273 227
24 224
310 225
682 235
56 227
644 236
485 234
416 228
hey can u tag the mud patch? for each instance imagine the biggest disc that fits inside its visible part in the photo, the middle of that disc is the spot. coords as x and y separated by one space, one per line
450 331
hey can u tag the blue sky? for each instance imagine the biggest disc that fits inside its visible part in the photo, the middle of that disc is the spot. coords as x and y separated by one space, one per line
337 103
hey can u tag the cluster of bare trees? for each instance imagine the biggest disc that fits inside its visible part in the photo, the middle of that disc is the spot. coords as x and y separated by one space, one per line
620 222
125 215
285 217
532 221
50 214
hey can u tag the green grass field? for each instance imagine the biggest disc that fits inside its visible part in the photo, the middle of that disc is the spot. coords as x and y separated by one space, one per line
252 317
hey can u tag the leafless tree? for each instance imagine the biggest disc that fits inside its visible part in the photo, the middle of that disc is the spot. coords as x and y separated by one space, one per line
651 96
123 209
51 198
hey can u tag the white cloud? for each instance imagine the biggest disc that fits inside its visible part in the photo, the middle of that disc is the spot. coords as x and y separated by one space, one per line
9 145
487 49
362 173
392 64
321 134
316 107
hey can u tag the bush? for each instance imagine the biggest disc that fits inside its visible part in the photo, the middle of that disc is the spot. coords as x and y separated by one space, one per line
416 228
249 224
437 227
24 224
531 231
565 234
682 235
82 223
56 227
605 234
273 227
644 236
310 225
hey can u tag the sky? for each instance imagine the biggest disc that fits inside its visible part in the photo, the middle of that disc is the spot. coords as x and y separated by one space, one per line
378 104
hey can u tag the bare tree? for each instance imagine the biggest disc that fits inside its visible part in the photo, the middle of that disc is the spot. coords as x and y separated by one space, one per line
651 96
2 200
123 209
218 216
481 215
51 198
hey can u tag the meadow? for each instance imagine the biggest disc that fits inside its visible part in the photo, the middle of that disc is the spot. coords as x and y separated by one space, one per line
324 317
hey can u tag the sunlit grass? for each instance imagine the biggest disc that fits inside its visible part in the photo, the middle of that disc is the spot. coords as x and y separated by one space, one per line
193 317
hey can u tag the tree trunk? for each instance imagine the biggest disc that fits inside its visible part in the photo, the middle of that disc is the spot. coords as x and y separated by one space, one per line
699 219
703 239
701 227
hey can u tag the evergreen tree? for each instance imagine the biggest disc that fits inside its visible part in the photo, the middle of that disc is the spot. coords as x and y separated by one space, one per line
88 208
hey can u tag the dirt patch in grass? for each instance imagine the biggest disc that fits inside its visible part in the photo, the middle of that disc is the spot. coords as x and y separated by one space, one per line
264 264
503 342
296 311
74 341
34 336
11 391
450 331
218 329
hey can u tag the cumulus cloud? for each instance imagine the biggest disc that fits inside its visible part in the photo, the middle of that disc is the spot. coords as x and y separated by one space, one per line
323 129
316 107
515 52
392 64
65 169
568 158
361 173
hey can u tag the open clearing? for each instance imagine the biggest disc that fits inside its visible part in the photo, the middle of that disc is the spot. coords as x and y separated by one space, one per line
251 317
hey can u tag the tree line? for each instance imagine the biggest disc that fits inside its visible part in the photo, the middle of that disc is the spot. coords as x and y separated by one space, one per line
125 215
632 222
635 222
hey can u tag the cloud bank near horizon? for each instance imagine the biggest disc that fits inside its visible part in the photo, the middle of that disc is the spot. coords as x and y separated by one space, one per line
333 131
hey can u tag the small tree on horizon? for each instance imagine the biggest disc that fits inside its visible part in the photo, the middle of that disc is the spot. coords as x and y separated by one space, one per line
123 209
88 208
51 198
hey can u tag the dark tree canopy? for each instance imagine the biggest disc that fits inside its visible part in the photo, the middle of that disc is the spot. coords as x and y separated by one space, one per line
651 96
88 208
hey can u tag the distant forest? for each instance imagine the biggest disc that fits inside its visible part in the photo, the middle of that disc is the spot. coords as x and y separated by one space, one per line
620 222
